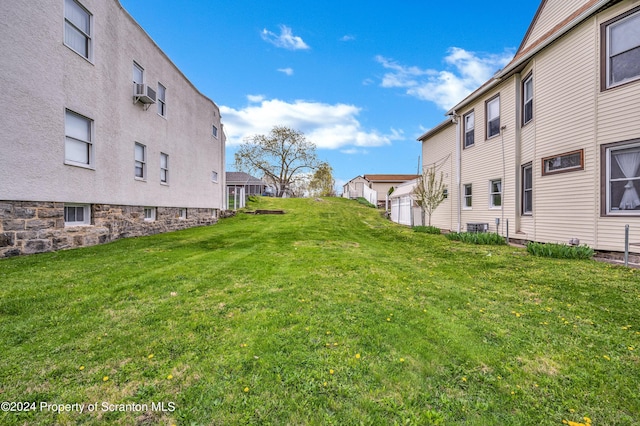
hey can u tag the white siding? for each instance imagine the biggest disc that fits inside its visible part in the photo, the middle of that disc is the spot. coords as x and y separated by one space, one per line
440 150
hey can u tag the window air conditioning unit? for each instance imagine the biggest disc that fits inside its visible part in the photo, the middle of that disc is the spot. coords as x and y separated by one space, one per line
477 227
144 94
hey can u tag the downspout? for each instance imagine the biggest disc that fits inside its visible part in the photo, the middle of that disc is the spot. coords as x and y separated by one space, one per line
455 118
518 152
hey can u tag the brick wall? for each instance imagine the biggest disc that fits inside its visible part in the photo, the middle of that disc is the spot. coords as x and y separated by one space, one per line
28 227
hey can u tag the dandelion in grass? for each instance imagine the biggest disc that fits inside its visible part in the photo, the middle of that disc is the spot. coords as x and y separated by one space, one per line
401 359
150 356
331 371
606 357
105 378
631 348
357 356
169 377
81 368
246 389
464 379
388 319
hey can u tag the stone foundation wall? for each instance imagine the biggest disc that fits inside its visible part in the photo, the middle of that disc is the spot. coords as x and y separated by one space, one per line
28 227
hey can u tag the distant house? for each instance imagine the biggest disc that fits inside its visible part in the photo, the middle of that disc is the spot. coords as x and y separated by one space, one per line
551 143
103 137
240 186
374 187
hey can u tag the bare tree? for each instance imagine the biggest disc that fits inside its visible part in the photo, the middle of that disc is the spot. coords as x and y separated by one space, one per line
429 192
278 156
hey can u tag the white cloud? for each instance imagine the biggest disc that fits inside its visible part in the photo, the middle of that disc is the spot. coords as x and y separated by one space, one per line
255 98
285 39
354 151
466 71
328 126
347 38
287 71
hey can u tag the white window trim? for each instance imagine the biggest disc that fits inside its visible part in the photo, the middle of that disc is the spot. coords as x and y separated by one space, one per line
526 101
90 164
182 214
467 130
523 212
214 176
465 196
144 162
162 102
165 169
138 66
86 213
89 36
152 214
609 210
492 206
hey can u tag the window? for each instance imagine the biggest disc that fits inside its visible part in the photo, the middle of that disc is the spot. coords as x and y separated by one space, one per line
140 161
467 196
162 106
77 28
214 177
215 131
621 49
183 213
469 132
527 100
527 189
622 171
562 163
78 146
493 117
138 74
495 193
77 214
149 214
164 168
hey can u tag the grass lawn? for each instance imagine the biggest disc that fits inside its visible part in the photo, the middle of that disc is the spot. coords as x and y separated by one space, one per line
328 314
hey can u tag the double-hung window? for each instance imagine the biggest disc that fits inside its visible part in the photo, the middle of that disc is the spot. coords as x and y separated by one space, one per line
164 168
621 52
467 196
138 74
214 131
493 117
622 170
149 214
527 189
78 147
77 28
469 129
495 193
162 102
214 176
527 100
140 161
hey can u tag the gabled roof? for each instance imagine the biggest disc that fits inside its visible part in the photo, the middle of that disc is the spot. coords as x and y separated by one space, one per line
242 178
390 178
528 48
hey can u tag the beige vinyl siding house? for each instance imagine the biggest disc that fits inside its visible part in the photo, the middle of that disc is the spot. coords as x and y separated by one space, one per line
569 122
83 160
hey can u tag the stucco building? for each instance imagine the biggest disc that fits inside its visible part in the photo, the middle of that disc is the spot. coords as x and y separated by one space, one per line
552 142
103 137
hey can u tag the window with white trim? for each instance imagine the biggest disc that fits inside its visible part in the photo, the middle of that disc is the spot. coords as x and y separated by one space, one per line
77 214
467 197
527 100
149 214
161 95
78 146
622 48
214 131
140 161
214 177
183 214
138 73
527 189
622 171
469 129
495 193
493 117
77 28
164 168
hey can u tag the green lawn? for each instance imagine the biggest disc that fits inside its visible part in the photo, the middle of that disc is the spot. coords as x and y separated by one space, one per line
328 314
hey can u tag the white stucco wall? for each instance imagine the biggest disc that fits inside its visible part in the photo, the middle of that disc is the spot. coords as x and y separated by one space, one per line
41 77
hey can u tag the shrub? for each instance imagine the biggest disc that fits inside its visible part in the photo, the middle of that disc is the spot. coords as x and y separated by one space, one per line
427 229
477 238
560 251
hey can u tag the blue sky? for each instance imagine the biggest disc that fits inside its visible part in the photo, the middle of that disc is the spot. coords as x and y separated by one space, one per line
361 79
